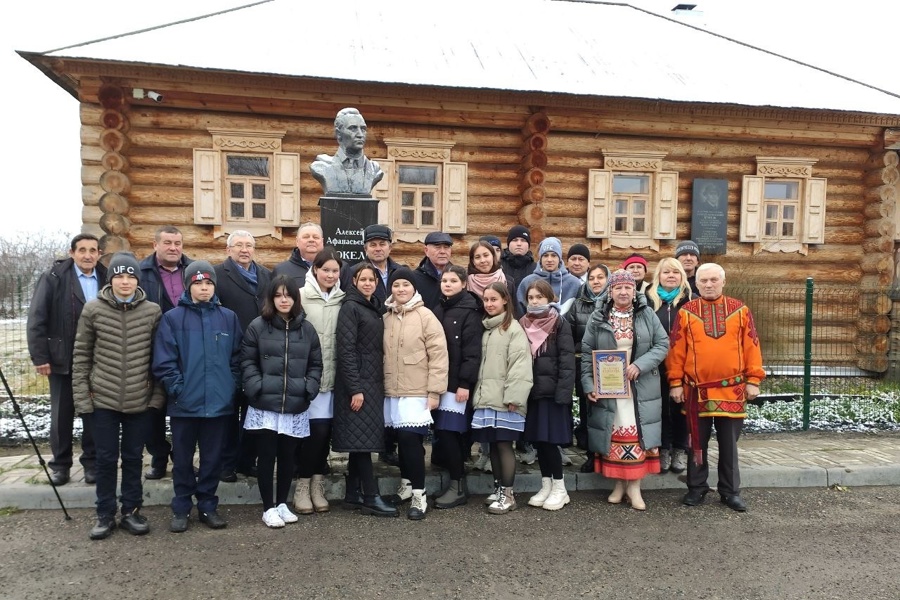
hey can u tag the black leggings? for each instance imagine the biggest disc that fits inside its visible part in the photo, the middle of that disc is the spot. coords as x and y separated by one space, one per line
503 463
412 457
272 446
314 449
359 469
452 443
549 459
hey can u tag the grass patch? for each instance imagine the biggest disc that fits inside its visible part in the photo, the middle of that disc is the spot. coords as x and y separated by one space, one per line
6 511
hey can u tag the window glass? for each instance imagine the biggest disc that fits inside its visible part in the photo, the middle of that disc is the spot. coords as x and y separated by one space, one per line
418 175
237 190
408 199
248 166
237 210
259 191
631 184
259 211
427 217
782 190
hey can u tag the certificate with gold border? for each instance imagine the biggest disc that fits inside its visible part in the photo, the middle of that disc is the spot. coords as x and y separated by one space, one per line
609 373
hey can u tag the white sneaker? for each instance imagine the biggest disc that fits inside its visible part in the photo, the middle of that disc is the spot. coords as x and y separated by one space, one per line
665 460
285 513
492 497
679 461
566 459
529 456
271 519
482 463
558 497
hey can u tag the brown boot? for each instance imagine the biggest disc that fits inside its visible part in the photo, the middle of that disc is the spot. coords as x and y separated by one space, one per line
302 501
317 494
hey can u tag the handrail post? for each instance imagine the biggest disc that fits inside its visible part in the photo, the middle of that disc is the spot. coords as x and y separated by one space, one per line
807 352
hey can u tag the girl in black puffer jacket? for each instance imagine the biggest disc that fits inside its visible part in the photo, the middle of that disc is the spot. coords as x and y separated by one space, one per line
548 423
591 295
460 314
281 361
669 291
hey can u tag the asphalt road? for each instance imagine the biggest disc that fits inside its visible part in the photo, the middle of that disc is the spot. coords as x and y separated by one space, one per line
806 544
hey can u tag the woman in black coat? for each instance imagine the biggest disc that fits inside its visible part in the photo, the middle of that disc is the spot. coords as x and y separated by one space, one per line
460 314
548 423
281 362
590 296
358 426
670 291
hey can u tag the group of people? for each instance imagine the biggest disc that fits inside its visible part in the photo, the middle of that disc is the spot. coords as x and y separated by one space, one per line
266 372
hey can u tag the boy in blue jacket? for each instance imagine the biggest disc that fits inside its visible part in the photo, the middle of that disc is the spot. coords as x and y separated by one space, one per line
197 358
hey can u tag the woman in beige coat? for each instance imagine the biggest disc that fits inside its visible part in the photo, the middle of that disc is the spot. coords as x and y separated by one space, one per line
415 376
321 299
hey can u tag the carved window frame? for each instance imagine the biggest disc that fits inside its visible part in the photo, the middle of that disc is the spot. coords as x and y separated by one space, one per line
662 200
810 218
451 198
211 191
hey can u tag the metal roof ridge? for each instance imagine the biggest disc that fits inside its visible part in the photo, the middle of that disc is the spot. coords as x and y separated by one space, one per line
736 41
155 27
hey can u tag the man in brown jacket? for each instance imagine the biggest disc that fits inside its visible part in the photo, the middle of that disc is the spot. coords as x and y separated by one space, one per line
111 379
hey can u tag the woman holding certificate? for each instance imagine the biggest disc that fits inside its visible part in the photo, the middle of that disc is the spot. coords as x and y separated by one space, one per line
621 351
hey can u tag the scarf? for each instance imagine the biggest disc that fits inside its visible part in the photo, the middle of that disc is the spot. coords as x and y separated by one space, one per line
667 296
401 309
478 282
249 275
539 322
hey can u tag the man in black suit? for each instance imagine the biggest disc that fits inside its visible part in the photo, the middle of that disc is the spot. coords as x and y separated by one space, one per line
59 297
241 285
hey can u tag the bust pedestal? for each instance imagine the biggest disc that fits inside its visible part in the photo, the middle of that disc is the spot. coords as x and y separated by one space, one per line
343 219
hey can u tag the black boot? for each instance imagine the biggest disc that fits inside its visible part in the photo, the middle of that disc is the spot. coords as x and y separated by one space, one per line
588 464
376 506
353 497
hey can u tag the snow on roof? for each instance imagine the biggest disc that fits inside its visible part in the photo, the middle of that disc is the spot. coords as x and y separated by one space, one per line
584 48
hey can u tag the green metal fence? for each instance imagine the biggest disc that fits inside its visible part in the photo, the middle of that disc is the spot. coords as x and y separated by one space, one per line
826 353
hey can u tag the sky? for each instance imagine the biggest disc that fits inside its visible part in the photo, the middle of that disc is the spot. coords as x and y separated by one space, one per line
42 124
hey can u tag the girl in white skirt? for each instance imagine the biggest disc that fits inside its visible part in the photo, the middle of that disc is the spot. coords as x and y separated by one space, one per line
321 297
415 376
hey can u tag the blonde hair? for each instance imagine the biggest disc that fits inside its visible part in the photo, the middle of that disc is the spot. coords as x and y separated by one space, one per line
684 290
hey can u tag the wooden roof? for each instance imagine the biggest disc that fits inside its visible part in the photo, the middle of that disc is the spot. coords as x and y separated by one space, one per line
599 49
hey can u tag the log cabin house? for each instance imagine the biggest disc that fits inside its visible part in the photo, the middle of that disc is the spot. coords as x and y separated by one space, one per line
586 121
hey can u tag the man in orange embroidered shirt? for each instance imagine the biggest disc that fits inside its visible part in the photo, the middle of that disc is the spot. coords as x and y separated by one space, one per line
714 366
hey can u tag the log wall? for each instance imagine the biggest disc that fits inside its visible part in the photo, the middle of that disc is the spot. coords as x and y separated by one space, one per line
527 163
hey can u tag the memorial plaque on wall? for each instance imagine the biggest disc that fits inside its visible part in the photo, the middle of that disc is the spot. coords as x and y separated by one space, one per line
343 218
709 215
